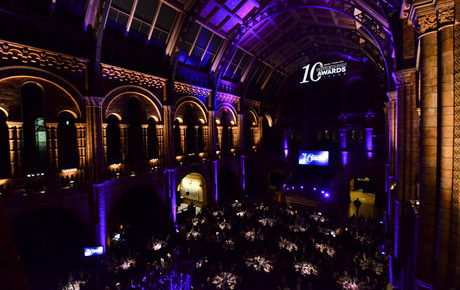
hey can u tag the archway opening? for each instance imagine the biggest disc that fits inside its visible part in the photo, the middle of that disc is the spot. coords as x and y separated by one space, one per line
113 140
135 138
192 192
33 129
138 215
362 189
67 141
50 244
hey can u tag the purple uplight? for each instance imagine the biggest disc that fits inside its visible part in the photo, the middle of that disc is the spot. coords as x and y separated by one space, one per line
345 158
314 188
369 136
326 194
301 187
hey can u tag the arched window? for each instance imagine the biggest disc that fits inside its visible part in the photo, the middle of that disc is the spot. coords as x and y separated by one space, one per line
152 150
190 137
177 139
33 129
135 150
67 141
4 147
113 140
248 134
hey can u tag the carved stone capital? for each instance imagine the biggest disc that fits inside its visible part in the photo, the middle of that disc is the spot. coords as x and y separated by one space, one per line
94 101
426 23
392 96
445 13
404 77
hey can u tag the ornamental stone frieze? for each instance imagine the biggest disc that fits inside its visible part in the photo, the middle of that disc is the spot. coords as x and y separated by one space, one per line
192 90
426 23
432 15
132 77
22 54
252 103
226 97
404 77
94 101
445 14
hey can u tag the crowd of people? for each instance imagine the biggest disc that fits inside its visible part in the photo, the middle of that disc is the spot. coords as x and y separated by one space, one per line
248 246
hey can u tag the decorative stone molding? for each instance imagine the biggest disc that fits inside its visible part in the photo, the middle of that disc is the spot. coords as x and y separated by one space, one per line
94 101
192 90
23 54
456 153
404 77
392 96
445 14
132 77
226 97
252 103
426 23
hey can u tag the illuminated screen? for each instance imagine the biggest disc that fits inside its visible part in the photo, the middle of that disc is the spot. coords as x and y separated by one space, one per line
319 158
95 251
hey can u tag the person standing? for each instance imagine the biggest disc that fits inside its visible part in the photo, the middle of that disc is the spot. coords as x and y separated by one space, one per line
357 204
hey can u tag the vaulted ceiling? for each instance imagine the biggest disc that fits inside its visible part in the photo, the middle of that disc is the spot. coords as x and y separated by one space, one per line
269 38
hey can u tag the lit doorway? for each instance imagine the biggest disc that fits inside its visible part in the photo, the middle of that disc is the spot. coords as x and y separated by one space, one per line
362 189
192 193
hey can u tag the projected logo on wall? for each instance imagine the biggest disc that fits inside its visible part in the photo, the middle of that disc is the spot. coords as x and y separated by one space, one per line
319 158
319 70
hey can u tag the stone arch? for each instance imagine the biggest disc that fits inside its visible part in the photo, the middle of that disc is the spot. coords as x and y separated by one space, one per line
342 182
375 25
269 120
233 114
64 94
181 104
193 187
116 103
253 119
4 111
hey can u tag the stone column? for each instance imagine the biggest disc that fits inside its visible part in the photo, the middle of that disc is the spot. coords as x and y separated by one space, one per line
15 131
168 135
445 12
454 257
212 135
52 146
239 144
219 137
124 147
260 130
426 224
183 138
95 149
160 140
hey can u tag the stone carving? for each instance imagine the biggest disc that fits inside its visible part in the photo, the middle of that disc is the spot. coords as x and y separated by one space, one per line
132 77
404 77
94 101
192 90
225 97
252 103
456 161
426 23
23 54
445 14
